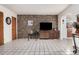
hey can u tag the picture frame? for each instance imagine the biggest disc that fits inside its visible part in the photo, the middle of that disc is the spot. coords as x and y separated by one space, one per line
8 20
30 22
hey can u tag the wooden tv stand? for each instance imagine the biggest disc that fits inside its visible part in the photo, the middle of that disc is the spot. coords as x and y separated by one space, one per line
50 34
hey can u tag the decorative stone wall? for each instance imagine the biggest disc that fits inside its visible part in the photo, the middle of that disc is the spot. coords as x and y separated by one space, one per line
23 27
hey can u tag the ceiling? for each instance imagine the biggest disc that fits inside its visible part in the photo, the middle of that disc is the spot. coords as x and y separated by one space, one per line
37 9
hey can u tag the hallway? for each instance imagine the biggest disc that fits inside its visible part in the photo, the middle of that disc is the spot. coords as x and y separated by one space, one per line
37 47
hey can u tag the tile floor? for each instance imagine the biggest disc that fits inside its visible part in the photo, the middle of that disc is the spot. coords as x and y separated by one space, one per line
37 47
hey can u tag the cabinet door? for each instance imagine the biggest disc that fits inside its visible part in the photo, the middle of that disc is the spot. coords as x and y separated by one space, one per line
52 35
44 34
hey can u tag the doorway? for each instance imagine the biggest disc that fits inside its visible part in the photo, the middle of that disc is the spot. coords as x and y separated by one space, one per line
69 29
13 28
1 29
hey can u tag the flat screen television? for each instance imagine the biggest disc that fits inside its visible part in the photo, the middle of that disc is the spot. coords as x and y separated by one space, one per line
45 26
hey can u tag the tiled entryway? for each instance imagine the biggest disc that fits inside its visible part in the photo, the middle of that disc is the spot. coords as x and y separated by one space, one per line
37 47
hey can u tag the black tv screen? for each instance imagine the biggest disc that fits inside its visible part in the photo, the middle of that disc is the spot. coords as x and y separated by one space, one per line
45 26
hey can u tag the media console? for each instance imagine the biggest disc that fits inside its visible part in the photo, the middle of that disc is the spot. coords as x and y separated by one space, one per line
49 34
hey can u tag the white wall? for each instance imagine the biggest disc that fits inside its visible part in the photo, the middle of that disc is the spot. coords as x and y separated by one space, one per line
63 30
72 10
7 28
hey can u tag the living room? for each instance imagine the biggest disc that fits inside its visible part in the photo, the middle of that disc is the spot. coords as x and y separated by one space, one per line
37 28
